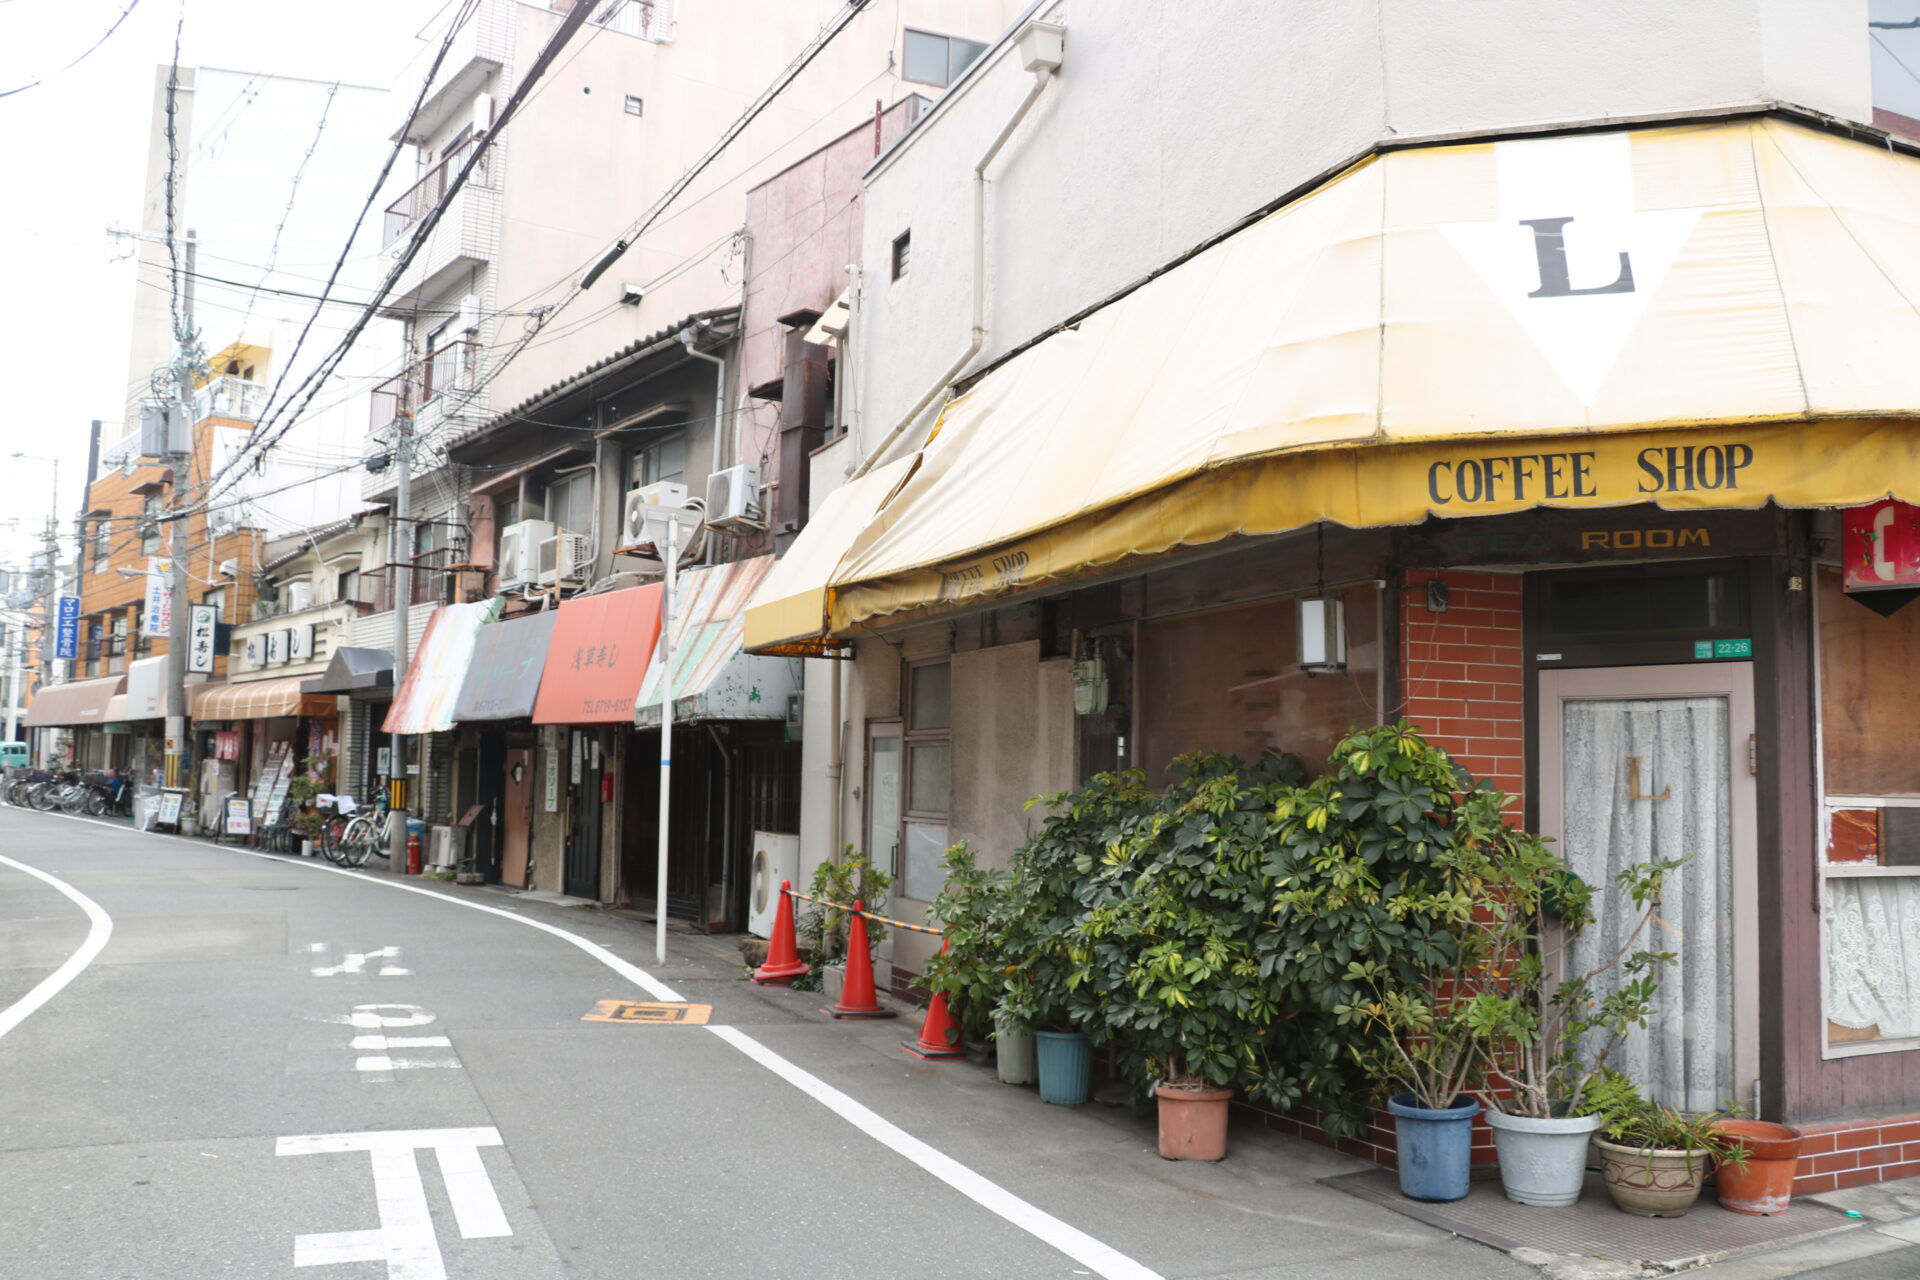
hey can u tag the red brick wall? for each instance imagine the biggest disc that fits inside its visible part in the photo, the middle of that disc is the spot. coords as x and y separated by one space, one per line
1460 672
1854 1153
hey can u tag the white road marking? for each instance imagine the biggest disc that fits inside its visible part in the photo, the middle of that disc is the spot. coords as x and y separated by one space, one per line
386 1063
401 1042
368 1016
1102 1259
356 962
405 1238
99 929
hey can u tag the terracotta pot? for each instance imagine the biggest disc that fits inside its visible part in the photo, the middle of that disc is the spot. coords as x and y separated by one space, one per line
1765 1185
1652 1182
1193 1122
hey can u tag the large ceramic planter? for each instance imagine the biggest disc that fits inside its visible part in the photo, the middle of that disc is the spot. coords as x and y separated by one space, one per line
1065 1061
1193 1123
1542 1162
1652 1182
1435 1148
1765 1185
1013 1053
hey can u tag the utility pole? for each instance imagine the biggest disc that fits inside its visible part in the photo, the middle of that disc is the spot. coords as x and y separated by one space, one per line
400 548
177 623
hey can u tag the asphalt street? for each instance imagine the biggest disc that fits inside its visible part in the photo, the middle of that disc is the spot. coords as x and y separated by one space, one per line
272 1068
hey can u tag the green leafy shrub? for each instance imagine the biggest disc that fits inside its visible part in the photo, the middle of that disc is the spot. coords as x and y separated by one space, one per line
1047 886
971 968
1164 955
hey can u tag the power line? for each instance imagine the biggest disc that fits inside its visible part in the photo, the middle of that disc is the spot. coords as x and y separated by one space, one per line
89 50
293 194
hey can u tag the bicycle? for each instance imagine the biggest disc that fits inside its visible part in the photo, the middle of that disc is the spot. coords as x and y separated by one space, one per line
366 836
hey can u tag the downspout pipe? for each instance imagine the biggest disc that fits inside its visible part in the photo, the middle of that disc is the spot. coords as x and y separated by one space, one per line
979 336
722 456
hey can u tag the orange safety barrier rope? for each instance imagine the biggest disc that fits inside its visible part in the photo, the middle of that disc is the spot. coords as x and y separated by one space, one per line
841 906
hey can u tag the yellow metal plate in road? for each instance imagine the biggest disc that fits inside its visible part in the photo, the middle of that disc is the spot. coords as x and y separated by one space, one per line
631 1011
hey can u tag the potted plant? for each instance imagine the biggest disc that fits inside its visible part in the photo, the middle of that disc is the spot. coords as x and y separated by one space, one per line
822 927
1764 1184
1045 886
971 967
1550 1036
1654 1159
1164 956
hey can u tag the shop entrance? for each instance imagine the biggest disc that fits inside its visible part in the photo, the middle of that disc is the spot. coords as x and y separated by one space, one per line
1646 762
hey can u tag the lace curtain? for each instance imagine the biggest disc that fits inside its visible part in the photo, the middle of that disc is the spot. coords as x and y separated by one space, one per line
1649 778
1873 954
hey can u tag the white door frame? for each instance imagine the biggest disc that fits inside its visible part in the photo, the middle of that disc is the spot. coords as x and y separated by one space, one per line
1734 682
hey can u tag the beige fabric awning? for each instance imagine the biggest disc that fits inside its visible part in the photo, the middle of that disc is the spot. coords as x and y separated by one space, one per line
1697 316
257 700
82 702
788 612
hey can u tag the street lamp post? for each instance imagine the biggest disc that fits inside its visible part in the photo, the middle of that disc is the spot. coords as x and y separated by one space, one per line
664 521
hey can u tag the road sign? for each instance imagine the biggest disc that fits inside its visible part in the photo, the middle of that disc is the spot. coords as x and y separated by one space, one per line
66 633
201 620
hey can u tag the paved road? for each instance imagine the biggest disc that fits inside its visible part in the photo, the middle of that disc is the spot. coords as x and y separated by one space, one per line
273 1069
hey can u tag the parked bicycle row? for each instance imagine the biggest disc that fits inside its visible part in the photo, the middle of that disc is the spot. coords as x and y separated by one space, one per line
77 791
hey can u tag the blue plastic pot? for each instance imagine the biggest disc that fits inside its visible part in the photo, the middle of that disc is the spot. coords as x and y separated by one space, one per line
1435 1147
1066 1067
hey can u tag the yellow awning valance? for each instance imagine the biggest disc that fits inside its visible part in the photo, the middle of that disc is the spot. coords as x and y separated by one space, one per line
1708 315
788 612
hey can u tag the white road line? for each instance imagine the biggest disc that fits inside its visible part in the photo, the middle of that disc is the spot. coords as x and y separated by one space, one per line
1101 1259
99 929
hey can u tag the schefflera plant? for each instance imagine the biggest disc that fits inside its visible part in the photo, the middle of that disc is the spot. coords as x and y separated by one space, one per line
1165 956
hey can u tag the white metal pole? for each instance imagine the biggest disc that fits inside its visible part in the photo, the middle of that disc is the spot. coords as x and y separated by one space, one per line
13 687
666 740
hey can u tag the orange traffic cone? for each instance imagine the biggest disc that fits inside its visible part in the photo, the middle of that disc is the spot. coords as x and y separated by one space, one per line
939 1033
783 951
856 996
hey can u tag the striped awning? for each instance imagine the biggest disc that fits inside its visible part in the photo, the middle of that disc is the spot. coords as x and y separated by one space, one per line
712 678
258 699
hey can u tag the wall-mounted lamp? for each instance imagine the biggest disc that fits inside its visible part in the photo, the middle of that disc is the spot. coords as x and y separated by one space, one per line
1437 595
1323 635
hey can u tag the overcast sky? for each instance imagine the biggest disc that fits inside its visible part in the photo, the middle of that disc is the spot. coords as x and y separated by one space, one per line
73 150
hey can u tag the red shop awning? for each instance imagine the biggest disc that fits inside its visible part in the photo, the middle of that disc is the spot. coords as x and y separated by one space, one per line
598 657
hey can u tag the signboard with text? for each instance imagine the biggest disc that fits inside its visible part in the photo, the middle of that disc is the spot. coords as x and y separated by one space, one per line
156 616
66 628
201 620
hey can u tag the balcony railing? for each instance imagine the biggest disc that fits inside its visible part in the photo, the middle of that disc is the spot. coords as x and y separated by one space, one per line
229 398
450 369
648 19
423 195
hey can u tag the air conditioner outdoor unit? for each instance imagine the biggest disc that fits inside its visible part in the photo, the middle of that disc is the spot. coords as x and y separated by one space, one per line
776 857
299 596
566 557
733 498
634 539
520 553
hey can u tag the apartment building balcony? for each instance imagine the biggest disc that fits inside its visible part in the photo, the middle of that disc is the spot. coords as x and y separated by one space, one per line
444 395
228 397
467 235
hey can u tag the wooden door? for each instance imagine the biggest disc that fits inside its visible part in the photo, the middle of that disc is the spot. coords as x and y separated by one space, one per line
516 816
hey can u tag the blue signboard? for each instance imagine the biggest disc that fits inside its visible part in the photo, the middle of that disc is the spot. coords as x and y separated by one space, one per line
66 635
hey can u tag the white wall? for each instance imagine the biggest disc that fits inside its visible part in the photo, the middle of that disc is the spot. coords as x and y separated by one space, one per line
1168 123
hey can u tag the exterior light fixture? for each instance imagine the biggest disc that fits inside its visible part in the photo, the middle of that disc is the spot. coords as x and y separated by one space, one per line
1323 635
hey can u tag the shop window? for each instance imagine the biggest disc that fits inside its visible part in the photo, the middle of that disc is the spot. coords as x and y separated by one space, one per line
1229 680
928 741
1870 868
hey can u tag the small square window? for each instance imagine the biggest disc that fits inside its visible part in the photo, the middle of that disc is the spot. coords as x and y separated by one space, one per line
635 105
902 250
936 59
